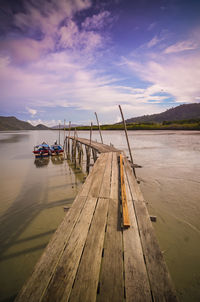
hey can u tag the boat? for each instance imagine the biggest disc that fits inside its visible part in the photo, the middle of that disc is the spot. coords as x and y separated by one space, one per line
42 150
56 149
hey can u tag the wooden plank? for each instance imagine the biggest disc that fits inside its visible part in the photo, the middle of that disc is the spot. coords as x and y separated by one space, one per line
114 190
86 282
111 276
137 286
60 286
90 178
106 183
101 148
126 220
160 282
98 176
44 269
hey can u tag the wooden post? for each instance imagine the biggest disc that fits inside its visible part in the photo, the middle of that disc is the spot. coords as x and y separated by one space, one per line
64 133
59 135
76 133
81 157
68 146
99 128
87 149
94 153
126 136
90 134
79 153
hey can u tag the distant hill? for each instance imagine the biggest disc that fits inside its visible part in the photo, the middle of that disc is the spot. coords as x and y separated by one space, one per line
41 127
182 112
66 126
12 123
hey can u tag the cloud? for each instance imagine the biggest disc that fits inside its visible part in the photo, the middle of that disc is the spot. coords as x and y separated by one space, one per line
151 26
177 76
153 42
181 46
45 27
97 21
32 111
48 123
70 37
64 81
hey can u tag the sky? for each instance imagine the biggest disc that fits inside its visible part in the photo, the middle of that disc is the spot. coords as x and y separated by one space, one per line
66 59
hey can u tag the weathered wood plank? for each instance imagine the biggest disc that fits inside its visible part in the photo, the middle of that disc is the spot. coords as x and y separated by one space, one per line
91 177
86 282
98 174
136 278
160 282
126 220
106 183
111 276
60 286
114 190
44 269
101 148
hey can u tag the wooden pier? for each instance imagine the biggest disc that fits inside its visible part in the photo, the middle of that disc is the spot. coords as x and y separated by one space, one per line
93 255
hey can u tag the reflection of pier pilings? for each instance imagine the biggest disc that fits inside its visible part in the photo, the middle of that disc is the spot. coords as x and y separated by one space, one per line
57 159
41 161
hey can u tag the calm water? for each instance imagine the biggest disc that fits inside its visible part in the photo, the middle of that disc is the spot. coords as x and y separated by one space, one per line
33 197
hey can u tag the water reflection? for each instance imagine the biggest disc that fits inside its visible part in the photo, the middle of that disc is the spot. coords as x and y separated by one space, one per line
41 162
57 159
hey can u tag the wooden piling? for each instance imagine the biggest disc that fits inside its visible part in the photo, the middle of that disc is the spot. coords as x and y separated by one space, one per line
68 146
99 128
59 135
125 129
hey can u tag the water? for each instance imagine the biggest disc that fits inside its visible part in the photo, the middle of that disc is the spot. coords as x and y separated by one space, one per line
33 196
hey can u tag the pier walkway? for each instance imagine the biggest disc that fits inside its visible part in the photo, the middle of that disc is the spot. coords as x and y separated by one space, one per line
93 255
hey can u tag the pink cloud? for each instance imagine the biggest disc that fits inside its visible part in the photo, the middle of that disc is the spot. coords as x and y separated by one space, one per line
40 29
182 46
96 21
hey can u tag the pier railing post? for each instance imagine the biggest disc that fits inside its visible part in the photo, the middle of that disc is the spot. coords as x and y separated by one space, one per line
64 133
68 145
99 128
125 129
87 149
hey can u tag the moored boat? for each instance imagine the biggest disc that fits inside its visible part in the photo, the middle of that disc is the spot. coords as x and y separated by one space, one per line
42 150
56 149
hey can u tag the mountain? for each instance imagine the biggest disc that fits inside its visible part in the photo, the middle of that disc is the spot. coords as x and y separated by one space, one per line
12 123
41 127
181 112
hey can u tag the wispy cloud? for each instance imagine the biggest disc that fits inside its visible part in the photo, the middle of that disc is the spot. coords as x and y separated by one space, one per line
182 46
154 41
97 21
177 76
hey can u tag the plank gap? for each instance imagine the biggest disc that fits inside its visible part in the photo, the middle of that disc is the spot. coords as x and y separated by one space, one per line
98 288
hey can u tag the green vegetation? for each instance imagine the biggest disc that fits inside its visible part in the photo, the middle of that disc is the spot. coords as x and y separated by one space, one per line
191 124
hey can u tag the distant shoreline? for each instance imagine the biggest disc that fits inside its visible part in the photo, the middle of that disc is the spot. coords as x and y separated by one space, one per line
142 126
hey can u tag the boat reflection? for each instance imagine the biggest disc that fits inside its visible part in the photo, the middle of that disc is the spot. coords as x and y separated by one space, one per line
41 162
57 159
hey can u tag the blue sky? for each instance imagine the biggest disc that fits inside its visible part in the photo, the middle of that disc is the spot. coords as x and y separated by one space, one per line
66 59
